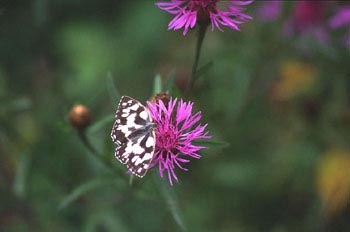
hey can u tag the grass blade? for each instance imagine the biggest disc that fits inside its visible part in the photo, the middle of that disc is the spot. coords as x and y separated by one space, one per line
81 190
169 85
211 143
108 120
170 198
19 186
157 85
204 68
112 89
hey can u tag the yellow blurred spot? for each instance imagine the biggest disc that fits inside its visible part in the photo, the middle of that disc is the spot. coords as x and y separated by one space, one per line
333 181
295 78
27 128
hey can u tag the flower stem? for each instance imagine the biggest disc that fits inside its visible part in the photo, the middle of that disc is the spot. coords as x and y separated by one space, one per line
193 77
84 139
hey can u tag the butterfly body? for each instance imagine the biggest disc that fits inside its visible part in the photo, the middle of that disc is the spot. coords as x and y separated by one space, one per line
134 136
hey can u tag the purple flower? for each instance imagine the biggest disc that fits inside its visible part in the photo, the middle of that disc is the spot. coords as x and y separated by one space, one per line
342 19
189 12
308 20
269 10
176 129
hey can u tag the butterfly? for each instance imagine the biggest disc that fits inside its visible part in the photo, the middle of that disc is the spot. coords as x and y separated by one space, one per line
133 133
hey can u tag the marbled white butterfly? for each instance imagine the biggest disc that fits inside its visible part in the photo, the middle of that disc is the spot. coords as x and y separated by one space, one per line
134 136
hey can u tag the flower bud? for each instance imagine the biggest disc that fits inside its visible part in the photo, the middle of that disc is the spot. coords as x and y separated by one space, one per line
164 97
80 117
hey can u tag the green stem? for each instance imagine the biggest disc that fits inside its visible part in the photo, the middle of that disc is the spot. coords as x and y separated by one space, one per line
347 90
84 139
193 77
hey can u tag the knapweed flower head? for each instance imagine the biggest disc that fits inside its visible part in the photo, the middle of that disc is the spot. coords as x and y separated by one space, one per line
269 10
342 20
308 20
189 12
176 129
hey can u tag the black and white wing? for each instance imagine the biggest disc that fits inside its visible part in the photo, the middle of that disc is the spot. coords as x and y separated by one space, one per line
134 136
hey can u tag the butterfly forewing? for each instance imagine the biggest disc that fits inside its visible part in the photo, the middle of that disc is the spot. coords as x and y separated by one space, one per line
134 135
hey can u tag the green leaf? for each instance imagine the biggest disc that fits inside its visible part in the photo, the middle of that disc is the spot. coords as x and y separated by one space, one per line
105 219
131 180
239 174
170 198
19 186
176 92
15 106
81 190
157 85
204 69
169 85
108 120
112 90
211 143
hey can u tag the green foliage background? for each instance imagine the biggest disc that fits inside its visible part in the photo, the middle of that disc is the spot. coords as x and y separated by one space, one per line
259 171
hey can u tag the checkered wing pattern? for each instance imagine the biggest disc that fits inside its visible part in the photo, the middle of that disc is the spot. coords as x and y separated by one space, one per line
134 136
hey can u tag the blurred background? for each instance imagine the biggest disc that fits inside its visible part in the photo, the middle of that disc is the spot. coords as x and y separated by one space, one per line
276 98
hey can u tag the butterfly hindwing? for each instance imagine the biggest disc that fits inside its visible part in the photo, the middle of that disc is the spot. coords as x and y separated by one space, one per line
134 135
137 154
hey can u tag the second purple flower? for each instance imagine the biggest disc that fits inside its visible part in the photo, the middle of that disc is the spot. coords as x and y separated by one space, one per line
189 12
